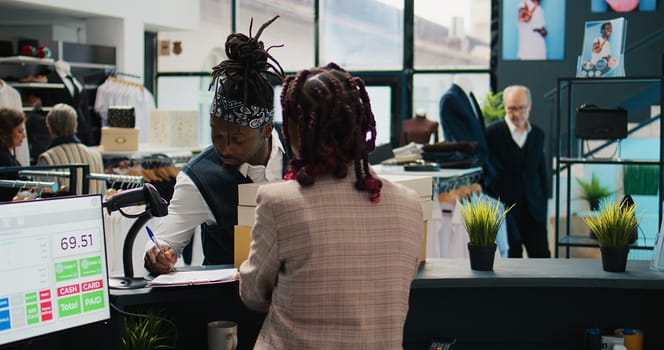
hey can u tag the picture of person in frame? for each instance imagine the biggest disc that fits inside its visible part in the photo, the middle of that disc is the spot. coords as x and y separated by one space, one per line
533 30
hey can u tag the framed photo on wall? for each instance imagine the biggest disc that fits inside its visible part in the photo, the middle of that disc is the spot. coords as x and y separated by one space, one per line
603 48
533 30
623 5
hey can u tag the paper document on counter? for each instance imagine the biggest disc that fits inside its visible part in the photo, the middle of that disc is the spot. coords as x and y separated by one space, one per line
187 278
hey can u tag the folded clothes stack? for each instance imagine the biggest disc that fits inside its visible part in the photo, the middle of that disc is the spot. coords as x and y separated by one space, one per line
407 153
461 154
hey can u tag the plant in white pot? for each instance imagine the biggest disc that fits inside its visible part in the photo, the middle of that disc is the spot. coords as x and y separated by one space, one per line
614 226
482 217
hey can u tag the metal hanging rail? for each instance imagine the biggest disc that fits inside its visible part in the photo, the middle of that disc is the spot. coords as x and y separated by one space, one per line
92 176
139 180
23 183
44 173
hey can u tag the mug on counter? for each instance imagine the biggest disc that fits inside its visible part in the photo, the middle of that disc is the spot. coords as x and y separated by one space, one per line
222 335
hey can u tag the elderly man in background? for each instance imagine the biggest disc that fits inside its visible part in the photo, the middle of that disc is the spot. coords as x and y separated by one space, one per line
516 150
66 148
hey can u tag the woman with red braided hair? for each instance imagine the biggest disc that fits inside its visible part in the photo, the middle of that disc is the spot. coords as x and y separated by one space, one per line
335 247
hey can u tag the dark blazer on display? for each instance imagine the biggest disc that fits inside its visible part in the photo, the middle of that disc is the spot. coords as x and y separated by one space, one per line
460 122
521 173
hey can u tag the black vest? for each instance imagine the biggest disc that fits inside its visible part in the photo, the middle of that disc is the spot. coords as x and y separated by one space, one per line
218 186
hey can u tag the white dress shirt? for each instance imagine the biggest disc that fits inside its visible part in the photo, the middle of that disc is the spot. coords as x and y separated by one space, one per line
518 136
188 209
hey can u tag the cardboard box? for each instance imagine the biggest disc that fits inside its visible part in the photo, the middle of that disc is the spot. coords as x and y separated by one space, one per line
119 139
242 243
423 185
246 215
174 128
246 194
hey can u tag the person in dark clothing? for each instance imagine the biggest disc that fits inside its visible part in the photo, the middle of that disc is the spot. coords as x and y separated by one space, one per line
246 148
516 150
12 134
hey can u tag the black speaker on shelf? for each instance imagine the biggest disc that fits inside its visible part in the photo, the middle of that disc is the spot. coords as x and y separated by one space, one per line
593 123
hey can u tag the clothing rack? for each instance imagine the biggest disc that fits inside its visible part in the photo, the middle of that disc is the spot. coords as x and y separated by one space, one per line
137 180
123 74
43 173
29 184
75 171
92 176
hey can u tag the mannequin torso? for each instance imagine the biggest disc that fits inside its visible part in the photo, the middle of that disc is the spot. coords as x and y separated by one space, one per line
419 130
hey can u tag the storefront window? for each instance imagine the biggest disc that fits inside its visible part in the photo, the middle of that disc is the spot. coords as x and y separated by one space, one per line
294 29
452 34
361 35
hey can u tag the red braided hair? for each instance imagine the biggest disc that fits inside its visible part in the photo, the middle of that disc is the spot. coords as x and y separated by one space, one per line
330 109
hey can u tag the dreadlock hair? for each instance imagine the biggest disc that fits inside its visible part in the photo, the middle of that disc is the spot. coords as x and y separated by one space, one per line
333 115
244 76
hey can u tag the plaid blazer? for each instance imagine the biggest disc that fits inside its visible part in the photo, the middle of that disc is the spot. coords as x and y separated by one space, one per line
331 269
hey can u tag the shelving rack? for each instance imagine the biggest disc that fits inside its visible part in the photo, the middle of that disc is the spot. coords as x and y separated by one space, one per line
569 153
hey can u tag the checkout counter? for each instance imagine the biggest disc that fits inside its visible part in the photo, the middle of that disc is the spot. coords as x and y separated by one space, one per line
522 304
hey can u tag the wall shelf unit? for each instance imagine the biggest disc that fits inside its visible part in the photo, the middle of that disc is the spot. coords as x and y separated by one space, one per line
636 95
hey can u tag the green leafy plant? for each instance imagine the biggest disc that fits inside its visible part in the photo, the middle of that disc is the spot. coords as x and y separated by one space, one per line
493 108
146 333
614 224
482 217
592 191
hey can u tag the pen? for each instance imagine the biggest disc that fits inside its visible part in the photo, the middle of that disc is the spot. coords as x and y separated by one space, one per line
154 240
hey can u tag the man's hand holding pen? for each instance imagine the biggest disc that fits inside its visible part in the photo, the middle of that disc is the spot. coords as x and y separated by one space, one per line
161 258
159 261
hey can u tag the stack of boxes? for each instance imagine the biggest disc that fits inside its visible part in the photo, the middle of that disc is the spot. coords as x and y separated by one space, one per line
246 211
121 133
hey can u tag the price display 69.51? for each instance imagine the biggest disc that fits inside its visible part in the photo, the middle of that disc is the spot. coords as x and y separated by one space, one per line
76 242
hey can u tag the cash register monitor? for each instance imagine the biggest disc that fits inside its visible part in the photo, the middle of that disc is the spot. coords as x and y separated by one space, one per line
53 268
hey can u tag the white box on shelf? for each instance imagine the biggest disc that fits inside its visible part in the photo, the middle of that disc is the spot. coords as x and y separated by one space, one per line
174 128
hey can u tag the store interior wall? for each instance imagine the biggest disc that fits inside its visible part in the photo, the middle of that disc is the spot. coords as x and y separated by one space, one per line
120 23
541 76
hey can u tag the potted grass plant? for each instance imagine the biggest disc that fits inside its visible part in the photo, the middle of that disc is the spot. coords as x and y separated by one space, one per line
614 227
148 330
482 217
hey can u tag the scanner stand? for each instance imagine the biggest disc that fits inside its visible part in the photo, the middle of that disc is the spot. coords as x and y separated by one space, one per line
155 206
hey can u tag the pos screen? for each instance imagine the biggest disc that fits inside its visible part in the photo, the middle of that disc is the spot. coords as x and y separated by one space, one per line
53 272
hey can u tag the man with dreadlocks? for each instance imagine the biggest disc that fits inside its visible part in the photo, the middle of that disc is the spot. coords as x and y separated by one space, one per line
335 247
246 148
